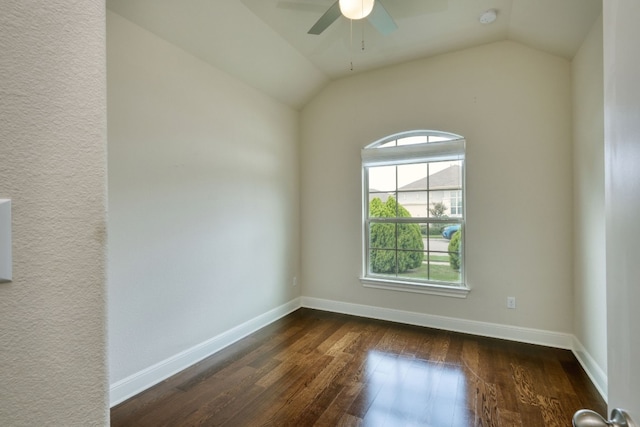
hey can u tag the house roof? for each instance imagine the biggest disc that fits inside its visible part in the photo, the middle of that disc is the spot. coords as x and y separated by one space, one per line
446 178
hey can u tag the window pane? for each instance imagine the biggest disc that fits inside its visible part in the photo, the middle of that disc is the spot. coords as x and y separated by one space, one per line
382 205
387 209
420 272
433 138
448 231
382 236
382 196
443 272
455 252
445 175
412 177
428 251
436 242
382 261
410 246
382 178
455 203
410 140
415 204
391 143
438 209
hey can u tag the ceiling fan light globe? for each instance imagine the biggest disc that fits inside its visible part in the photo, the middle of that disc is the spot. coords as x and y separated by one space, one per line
356 9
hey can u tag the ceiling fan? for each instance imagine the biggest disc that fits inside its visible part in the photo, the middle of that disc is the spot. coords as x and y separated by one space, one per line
373 10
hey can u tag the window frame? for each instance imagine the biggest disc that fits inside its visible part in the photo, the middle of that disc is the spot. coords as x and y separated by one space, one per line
378 154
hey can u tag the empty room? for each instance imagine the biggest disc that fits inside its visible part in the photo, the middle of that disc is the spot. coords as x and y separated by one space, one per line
268 212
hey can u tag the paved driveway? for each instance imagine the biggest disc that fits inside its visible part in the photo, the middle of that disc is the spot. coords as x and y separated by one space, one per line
437 244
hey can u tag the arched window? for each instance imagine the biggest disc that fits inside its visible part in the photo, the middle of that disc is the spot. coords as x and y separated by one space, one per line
413 210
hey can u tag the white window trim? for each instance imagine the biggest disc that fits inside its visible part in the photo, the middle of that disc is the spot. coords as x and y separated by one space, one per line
417 153
418 288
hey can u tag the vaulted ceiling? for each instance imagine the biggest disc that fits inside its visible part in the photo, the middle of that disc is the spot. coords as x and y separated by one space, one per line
265 42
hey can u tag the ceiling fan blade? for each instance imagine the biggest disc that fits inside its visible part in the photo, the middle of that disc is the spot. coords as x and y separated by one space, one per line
327 19
381 20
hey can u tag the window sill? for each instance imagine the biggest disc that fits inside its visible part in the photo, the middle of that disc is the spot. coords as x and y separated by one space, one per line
426 288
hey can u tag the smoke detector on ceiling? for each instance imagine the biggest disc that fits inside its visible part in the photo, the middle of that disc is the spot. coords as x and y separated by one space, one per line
489 16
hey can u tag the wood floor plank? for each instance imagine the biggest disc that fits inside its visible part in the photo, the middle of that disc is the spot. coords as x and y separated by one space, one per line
339 405
314 368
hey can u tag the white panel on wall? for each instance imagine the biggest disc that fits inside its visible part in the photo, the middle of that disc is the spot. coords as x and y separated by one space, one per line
5 240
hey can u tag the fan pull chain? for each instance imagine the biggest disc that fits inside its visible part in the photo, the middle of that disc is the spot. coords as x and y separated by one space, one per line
351 44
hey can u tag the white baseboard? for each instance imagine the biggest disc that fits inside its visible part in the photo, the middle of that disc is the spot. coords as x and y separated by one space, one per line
140 381
493 330
594 371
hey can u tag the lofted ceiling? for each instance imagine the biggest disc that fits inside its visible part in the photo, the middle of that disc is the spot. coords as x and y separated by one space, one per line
265 42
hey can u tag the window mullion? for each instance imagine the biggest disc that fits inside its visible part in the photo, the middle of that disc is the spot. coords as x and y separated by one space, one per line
408 265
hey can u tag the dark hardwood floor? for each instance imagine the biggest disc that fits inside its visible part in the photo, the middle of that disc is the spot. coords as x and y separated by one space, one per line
315 368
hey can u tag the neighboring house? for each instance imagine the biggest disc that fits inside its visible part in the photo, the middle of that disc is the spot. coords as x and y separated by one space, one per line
441 187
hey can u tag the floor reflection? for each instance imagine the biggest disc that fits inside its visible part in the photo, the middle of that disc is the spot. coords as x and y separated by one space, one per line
402 391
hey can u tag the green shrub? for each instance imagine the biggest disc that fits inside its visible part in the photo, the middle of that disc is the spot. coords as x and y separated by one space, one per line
454 250
436 229
383 257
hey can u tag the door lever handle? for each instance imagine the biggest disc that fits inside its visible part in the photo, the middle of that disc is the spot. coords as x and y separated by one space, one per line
587 418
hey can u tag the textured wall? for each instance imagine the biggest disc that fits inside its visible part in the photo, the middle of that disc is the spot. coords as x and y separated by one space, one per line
513 106
52 165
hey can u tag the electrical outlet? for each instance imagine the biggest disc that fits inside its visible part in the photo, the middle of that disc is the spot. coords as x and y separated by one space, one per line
295 281
511 302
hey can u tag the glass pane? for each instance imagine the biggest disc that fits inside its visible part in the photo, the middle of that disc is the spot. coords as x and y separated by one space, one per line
449 231
409 262
382 261
440 271
437 206
382 178
382 205
436 242
410 246
382 196
410 140
387 209
412 177
434 138
415 204
445 175
418 272
391 143
455 252
382 236
455 203
409 237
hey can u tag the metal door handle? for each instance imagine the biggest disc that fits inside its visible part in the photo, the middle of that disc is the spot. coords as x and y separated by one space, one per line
587 418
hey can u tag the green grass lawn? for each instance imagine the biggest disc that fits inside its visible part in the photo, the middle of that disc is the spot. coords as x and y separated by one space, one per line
439 272
441 258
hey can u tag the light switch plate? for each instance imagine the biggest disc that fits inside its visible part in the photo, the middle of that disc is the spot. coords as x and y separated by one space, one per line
5 241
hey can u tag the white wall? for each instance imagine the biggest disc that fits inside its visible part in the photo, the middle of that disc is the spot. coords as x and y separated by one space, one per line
622 197
513 104
590 322
53 166
203 200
